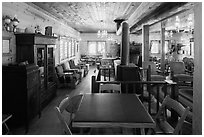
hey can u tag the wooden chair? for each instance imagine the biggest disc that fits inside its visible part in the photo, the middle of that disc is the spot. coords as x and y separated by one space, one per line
65 125
110 88
154 73
5 128
71 105
162 126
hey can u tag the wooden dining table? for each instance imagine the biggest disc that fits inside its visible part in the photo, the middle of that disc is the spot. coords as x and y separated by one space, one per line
102 110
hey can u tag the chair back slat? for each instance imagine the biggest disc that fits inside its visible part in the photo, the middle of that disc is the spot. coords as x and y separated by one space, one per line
152 65
172 104
74 103
109 87
64 103
176 106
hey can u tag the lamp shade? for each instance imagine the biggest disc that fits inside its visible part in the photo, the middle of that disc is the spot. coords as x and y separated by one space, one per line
15 21
7 19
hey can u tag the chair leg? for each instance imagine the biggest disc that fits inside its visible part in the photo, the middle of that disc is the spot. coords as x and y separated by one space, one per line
7 129
142 131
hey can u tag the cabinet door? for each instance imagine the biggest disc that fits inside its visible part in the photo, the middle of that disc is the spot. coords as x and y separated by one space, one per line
50 65
41 61
33 103
33 97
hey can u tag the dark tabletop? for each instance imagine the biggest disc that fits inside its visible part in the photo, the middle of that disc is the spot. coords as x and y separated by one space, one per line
109 107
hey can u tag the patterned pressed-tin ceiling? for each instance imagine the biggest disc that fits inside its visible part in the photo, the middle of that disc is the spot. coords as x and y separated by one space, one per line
90 16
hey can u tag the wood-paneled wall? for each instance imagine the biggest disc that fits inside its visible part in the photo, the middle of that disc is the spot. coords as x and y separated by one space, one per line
30 17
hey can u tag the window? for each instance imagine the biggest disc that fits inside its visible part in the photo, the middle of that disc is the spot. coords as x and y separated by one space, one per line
73 47
96 48
67 48
92 47
101 47
154 46
61 50
6 45
70 48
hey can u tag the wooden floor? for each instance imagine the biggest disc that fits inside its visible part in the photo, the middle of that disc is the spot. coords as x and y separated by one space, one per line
48 124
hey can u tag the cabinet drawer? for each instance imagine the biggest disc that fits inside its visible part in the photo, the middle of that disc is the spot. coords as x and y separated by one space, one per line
32 80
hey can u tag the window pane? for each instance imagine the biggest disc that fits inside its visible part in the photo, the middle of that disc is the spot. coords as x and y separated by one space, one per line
92 47
101 47
61 50
155 46
70 48
65 50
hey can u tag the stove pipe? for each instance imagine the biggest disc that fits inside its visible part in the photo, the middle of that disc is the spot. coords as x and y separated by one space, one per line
124 49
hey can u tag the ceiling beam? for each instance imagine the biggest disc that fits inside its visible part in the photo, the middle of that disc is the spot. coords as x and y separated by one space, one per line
142 11
163 12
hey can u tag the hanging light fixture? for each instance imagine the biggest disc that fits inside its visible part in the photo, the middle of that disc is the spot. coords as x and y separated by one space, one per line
177 23
190 22
102 33
171 33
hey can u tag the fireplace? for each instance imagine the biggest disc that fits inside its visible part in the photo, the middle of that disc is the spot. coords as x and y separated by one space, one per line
127 71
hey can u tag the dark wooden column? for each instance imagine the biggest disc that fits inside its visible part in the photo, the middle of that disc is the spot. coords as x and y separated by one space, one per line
145 43
124 52
162 46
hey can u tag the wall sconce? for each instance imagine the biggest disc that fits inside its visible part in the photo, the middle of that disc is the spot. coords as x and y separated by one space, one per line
7 21
15 22
10 24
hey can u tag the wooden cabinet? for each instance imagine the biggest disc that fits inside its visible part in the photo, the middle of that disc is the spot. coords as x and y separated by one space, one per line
20 93
39 50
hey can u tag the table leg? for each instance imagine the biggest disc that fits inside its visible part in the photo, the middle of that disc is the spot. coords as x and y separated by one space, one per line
124 131
81 131
142 131
149 132
174 95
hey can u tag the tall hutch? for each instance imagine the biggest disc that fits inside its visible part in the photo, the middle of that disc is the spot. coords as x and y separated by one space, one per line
30 83
39 50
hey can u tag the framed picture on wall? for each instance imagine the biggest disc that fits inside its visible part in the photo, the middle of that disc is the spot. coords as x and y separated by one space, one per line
6 48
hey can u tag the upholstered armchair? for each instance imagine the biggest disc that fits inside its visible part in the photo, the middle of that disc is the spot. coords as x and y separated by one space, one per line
67 78
84 66
82 69
67 68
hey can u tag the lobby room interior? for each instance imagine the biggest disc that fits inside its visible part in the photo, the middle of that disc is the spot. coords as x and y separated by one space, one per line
101 68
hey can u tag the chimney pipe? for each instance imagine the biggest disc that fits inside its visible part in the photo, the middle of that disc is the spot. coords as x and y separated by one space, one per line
125 44
118 23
